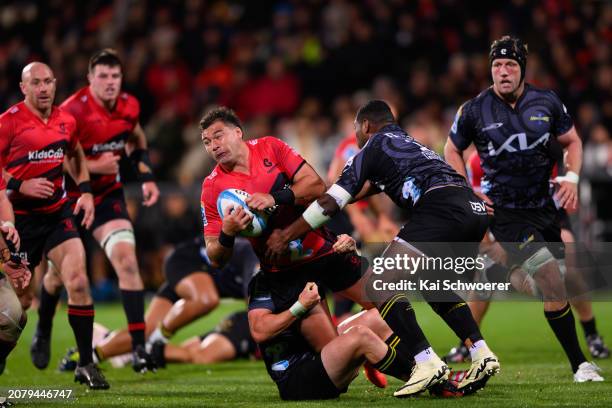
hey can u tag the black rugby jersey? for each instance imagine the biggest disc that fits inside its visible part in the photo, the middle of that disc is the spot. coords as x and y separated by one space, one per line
283 352
399 166
514 145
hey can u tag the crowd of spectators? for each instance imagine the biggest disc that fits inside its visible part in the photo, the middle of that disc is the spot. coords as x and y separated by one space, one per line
299 68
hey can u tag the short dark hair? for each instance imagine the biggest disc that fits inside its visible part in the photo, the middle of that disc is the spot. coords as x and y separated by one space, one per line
375 111
107 56
222 113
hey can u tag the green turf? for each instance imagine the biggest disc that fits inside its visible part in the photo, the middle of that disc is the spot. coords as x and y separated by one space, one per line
534 369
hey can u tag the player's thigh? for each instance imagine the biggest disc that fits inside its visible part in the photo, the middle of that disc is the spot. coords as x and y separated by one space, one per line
340 360
69 254
214 348
199 287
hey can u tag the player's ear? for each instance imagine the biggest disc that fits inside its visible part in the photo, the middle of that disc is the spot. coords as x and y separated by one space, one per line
22 87
239 132
365 126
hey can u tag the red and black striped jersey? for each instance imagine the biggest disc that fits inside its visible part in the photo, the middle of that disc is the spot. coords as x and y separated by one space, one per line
31 148
100 130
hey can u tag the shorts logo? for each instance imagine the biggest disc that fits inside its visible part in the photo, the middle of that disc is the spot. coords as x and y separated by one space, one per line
68 225
280 366
478 207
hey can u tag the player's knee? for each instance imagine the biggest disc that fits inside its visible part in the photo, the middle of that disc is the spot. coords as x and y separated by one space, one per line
25 300
360 336
205 304
77 285
12 319
535 263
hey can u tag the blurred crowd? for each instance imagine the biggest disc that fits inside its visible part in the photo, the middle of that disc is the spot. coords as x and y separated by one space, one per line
299 68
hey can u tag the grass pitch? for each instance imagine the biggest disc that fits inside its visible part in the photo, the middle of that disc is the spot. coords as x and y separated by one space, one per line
535 372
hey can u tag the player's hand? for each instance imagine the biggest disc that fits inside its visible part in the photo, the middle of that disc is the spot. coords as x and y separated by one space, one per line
260 201
150 193
10 233
277 245
344 244
38 187
235 219
106 163
309 297
86 204
487 201
18 272
567 194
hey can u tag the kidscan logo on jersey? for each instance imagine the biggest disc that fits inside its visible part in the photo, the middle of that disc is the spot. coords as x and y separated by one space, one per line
50 154
108 147
521 144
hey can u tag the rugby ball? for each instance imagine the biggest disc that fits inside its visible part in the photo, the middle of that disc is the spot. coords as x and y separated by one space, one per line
233 198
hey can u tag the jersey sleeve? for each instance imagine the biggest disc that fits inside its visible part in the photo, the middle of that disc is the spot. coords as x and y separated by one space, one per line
6 135
211 219
73 130
259 294
356 171
287 158
2 182
462 131
561 121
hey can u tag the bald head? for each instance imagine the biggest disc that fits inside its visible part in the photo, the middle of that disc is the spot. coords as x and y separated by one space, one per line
38 87
35 66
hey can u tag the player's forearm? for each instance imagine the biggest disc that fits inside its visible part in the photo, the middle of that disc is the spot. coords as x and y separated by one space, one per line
6 208
269 325
454 157
77 165
218 254
573 157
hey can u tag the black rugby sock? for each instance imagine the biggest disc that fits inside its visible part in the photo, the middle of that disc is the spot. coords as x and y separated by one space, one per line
459 318
589 327
395 363
399 315
81 320
133 304
46 311
563 324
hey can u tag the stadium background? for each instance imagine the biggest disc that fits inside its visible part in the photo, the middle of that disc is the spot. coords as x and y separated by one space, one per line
298 70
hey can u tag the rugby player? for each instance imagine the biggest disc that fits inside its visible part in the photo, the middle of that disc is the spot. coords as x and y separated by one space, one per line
278 177
108 127
35 137
512 124
444 209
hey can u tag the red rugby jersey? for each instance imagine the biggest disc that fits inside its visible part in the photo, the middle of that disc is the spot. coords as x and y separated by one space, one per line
100 131
272 165
348 148
31 148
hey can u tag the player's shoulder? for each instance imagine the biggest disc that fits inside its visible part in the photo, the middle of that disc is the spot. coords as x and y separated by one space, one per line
10 113
130 102
535 92
210 183
79 98
65 115
265 141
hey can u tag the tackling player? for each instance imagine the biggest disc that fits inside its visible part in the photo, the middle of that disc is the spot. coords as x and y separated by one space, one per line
35 137
444 209
107 128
